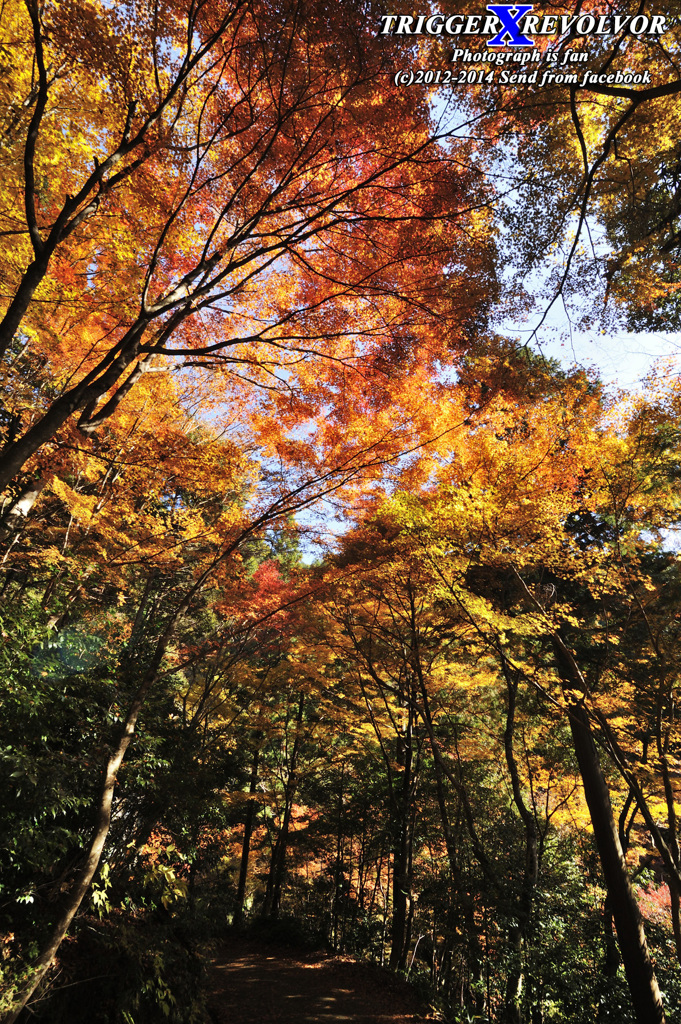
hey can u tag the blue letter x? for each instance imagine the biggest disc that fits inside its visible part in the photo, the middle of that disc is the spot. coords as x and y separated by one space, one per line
510 24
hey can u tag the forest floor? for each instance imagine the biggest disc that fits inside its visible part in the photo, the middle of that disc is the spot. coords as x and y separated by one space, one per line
253 983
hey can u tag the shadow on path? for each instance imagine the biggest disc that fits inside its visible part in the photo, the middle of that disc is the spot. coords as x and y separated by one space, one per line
253 983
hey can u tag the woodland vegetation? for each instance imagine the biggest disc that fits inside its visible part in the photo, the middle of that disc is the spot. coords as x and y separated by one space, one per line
328 608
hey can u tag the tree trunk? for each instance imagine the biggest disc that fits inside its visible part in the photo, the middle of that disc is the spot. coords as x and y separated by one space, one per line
338 869
84 877
87 872
645 994
401 808
512 1010
277 867
246 845
16 310
90 389
398 951
275 880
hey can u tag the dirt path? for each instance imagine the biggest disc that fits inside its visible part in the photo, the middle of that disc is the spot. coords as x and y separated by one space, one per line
256 984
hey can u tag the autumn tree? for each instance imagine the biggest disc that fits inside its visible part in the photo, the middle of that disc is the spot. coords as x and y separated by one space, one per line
417 665
292 242
542 548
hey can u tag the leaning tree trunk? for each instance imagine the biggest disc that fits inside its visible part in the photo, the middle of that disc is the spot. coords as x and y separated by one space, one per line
86 873
645 993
